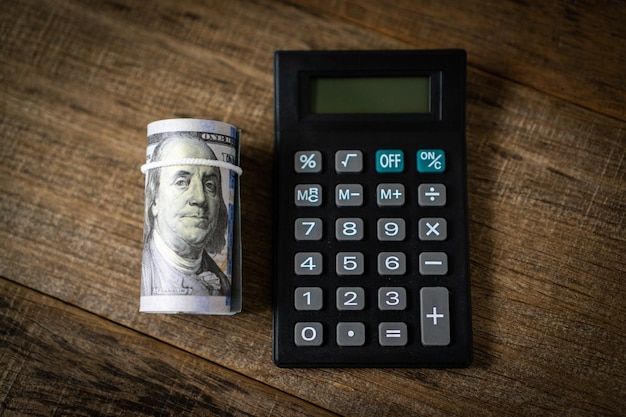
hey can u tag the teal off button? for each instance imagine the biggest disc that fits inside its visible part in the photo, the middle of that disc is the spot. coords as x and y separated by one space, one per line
431 160
389 160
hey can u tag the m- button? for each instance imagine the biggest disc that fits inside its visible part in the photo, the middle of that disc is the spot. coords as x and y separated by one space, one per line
349 195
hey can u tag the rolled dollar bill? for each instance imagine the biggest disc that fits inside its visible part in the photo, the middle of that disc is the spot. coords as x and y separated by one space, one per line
191 246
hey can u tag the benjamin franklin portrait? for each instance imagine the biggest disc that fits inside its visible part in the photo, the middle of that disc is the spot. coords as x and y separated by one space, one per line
185 222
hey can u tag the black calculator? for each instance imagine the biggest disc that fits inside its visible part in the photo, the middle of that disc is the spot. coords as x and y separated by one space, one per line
371 249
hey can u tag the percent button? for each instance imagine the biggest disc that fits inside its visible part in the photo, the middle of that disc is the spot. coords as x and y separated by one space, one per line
308 161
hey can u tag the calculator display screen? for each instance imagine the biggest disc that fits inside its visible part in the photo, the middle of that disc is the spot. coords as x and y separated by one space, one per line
370 95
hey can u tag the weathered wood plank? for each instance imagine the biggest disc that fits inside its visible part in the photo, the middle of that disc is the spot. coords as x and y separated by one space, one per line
573 51
546 194
60 360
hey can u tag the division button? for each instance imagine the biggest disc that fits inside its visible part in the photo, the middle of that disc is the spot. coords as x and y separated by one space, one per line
435 316
431 195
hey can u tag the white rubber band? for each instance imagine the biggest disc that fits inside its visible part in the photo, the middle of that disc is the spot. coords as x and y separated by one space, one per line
192 161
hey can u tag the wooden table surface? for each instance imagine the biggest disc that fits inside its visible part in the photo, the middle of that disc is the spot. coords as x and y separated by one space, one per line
546 136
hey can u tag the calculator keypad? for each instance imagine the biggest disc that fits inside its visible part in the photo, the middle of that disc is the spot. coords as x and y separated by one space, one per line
433 301
371 248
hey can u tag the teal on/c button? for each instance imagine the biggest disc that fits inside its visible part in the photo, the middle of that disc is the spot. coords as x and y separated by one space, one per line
431 160
389 160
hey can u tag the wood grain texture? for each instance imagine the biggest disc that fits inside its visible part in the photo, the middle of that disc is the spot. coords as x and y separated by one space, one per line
62 361
547 173
569 50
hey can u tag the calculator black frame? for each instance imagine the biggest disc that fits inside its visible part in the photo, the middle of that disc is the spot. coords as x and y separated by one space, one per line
445 126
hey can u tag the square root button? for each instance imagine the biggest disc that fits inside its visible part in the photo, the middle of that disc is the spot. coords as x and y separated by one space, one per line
348 161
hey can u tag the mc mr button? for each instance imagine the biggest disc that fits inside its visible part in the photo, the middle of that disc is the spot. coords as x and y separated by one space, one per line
389 161
431 160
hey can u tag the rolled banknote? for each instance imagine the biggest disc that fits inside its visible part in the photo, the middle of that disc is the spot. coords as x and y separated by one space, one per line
191 245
